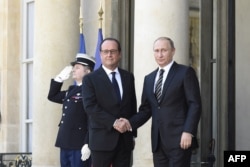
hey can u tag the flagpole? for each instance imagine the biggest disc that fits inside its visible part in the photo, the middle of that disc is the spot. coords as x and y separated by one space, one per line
99 40
81 21
82 48
100 13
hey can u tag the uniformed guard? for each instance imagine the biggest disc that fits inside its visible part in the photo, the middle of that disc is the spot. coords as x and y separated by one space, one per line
72 137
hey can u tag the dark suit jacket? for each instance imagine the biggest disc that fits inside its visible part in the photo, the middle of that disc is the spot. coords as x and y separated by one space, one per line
103 108
179 110
73 126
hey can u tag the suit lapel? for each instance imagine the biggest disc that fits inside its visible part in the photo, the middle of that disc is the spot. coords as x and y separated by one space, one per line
169 78
104 77
151 82
106 81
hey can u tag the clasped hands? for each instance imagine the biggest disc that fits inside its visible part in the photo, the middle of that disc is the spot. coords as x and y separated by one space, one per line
122 125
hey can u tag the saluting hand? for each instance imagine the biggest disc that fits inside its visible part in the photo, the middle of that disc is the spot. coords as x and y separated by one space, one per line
64 74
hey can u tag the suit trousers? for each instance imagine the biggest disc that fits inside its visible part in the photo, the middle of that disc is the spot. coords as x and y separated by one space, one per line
119 157
175 157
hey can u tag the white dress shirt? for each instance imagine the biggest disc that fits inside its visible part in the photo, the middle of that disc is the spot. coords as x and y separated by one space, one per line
117 77
165 74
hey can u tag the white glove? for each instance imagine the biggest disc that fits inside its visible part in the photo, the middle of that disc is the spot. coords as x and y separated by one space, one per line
64 74
85 152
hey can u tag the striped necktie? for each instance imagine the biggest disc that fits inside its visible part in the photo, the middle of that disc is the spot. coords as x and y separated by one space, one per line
158 86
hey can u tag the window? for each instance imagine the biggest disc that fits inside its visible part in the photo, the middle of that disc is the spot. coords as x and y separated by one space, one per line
27 74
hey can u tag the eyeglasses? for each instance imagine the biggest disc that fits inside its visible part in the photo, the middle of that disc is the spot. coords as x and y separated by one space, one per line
105 52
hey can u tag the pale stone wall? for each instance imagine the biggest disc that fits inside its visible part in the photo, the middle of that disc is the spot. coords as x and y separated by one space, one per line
242 60
56 45
9 76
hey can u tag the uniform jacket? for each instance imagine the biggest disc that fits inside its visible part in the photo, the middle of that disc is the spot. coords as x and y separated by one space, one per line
103 108
179 110
72 133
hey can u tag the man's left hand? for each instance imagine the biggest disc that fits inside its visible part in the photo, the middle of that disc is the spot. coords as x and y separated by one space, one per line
186 140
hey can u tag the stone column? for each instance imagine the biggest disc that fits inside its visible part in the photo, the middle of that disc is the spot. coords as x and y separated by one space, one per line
9 76
56 45
152 20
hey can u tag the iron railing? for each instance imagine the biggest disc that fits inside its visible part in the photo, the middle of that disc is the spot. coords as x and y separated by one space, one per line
16 159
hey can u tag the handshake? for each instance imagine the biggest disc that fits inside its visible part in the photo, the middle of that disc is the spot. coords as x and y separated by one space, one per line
122 125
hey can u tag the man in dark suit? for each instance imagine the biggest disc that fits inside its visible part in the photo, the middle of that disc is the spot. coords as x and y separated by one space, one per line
173 100
73 127
105 100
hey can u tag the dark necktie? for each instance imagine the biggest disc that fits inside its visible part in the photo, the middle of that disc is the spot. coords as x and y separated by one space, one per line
116 86
158 86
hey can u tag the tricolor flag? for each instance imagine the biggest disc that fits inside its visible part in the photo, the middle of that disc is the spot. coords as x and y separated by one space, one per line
82 48
97 52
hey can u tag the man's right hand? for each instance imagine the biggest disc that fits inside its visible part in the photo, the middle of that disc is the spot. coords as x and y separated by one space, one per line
64 74
122 125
